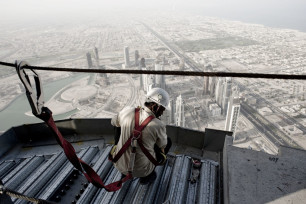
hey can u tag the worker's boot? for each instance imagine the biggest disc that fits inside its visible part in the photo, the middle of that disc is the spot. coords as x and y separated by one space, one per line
148 179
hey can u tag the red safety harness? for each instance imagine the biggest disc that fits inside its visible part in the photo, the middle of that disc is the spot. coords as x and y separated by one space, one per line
46 115
136 136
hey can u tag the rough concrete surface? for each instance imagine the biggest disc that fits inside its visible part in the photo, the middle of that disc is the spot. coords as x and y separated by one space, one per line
257 177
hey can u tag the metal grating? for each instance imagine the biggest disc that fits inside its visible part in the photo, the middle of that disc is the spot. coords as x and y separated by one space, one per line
49 177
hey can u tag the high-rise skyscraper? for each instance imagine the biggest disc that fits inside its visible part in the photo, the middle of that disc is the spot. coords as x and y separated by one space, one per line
148 81
89 61
97 56
160 79
142 62
97 53
219 91
227 92
143 80
172 112
142 65
232 115
223 92
136 58
126 57
212 86
206 85
180 112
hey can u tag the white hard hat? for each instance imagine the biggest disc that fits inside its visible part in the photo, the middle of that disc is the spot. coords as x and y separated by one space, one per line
159 96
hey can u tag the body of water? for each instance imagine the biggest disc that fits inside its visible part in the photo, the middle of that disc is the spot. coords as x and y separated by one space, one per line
273 13
14 114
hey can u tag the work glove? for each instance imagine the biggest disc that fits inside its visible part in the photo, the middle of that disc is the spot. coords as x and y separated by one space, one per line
161 158
112 152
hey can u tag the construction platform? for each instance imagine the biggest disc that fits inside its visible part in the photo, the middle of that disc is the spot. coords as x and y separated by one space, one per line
32 163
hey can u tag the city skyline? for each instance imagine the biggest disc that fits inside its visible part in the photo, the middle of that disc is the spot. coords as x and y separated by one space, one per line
207 44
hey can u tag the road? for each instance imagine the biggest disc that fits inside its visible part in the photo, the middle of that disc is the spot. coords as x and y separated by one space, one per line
269 145
286 118
271 132
189 62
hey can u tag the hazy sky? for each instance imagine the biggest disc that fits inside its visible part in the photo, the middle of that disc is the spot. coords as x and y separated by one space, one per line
278 13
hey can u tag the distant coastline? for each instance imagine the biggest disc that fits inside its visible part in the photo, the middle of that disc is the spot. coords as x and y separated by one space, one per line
301 27
281 21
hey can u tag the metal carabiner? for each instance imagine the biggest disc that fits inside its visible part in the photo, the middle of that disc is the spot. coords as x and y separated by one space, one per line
35 103
136 134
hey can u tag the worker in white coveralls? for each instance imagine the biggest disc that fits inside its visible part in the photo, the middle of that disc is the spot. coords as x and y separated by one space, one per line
153 136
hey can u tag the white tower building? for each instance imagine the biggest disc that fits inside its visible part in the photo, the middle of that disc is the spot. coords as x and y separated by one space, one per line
219 91
172 112
206 85
136 58
142 66
227 92
147 80
89 60
160 79
179 112
97 56
232 115
212 86
126 57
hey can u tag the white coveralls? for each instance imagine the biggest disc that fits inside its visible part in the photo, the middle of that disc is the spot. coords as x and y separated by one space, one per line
153 133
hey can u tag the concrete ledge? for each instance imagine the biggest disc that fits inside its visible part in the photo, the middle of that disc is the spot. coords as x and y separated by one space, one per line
90 129
258 177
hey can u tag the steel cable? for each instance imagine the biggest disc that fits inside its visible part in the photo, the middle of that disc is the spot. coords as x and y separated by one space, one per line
11 193
180 73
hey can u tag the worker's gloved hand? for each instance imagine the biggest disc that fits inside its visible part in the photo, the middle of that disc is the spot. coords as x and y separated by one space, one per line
112 152
161 158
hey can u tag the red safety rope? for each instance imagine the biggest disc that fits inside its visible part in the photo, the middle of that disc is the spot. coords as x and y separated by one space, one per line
89 173
79 164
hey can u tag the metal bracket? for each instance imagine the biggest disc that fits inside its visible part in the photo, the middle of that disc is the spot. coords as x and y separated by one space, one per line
35 103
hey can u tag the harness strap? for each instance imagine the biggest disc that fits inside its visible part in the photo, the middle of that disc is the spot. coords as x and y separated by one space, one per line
139 140
121 151
147 153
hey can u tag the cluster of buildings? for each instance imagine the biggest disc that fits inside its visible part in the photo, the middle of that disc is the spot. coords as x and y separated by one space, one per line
148 81
222 103
95 54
